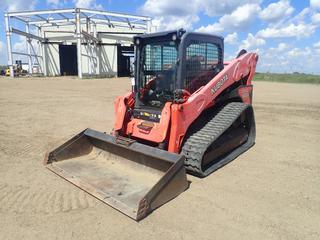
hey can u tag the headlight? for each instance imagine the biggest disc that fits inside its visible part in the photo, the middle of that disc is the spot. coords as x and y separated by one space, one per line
174 37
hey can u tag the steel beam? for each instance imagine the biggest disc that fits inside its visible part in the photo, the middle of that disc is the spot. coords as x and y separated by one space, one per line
40 51
28 35
30 13
86 55
60 31
28 42
25 54
83 20
36 56
45 19
44 55
92 15
85 15
9 49
128 21
20 19
103 22
119 24
113 14
64 16
23 20
39 16
149 26
78 36
89 36
124 23
95 34
109 22
53 21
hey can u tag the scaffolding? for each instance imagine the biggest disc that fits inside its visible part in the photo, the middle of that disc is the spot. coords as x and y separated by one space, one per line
40 20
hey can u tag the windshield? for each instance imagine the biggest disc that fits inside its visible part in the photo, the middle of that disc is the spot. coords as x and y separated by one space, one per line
158 72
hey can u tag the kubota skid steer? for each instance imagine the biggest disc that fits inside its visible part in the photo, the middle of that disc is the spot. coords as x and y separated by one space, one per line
188 110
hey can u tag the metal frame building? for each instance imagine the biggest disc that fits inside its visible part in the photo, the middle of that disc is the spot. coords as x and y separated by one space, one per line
92 34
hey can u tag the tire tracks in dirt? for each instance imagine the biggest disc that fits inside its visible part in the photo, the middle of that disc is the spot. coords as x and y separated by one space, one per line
22 199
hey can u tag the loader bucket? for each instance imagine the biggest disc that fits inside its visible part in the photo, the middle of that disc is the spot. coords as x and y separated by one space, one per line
131 177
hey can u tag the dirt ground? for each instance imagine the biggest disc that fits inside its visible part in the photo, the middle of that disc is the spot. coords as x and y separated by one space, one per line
270 192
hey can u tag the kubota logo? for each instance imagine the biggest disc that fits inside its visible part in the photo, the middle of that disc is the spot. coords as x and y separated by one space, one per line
219 84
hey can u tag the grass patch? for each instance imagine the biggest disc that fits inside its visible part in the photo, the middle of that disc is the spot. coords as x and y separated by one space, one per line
289 78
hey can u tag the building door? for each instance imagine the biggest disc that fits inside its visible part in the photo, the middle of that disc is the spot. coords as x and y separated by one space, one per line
125 58
68 60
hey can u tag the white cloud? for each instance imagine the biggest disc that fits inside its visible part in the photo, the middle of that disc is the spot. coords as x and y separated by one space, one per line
18 5
291 30
252 42
170 14
174 22
211 28
315 3
300 17
298 52
182 7
87 4
277 52
219 8
231 38
276 11
315 18
169 8
239 19
317 47
270 60
281 47
289 60
53 2
304 60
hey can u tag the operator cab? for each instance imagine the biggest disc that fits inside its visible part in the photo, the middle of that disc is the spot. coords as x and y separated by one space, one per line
170 66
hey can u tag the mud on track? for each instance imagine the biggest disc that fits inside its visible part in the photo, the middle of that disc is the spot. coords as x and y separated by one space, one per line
271 192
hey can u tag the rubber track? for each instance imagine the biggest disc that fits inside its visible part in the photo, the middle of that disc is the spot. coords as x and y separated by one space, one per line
197 144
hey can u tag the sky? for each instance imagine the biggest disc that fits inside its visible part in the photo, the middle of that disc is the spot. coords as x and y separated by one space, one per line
285 34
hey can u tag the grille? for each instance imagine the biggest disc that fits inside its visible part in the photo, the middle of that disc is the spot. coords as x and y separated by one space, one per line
201 61
159 57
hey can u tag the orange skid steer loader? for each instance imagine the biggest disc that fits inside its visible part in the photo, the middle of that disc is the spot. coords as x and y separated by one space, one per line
188 111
